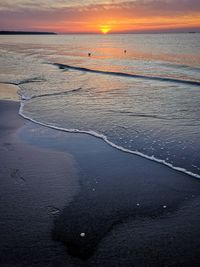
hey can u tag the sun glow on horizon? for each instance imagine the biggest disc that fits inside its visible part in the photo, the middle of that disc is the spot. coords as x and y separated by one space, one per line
102 17
105 29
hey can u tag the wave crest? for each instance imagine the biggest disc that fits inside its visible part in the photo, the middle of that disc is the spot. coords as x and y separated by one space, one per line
123 74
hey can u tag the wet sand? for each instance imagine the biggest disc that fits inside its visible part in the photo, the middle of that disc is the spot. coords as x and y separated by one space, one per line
72 200
35 184
8 92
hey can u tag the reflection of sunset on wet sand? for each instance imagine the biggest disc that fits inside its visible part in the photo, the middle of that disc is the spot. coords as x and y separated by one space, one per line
99 133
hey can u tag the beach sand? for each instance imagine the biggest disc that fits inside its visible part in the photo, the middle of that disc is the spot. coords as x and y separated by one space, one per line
35 184
9 92
72 200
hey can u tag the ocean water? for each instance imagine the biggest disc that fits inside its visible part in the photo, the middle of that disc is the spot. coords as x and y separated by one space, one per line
145 101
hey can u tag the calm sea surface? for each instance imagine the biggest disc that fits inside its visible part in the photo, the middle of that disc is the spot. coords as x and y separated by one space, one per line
145 101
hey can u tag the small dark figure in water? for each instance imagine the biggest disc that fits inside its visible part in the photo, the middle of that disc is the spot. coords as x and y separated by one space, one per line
89 54
124 51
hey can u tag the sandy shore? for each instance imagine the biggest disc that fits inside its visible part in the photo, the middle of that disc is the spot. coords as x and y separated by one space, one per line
8 92
56 185
35 184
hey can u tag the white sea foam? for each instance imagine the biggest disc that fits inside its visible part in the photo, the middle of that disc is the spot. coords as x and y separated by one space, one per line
151 88
103 137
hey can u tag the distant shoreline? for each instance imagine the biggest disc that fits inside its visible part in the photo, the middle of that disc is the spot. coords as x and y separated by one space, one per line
86 33
24 32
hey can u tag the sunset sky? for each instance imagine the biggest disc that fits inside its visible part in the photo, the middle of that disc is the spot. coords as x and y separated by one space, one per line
71 16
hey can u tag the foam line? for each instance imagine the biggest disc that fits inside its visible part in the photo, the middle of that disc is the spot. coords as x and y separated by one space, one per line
104 138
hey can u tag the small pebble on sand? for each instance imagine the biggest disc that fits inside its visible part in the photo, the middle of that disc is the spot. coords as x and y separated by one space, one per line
82 234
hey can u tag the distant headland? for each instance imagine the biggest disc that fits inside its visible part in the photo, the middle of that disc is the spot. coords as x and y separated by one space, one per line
25 32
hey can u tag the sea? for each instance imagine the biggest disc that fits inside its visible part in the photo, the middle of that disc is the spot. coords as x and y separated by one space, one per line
140 93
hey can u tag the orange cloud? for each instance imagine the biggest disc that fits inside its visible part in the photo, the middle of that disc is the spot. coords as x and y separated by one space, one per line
118 15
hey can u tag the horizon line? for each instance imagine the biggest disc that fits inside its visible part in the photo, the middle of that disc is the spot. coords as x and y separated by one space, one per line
100 33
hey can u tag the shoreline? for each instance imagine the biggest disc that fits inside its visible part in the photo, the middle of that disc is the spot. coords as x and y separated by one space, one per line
106 140
10 92
128 207
120 148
